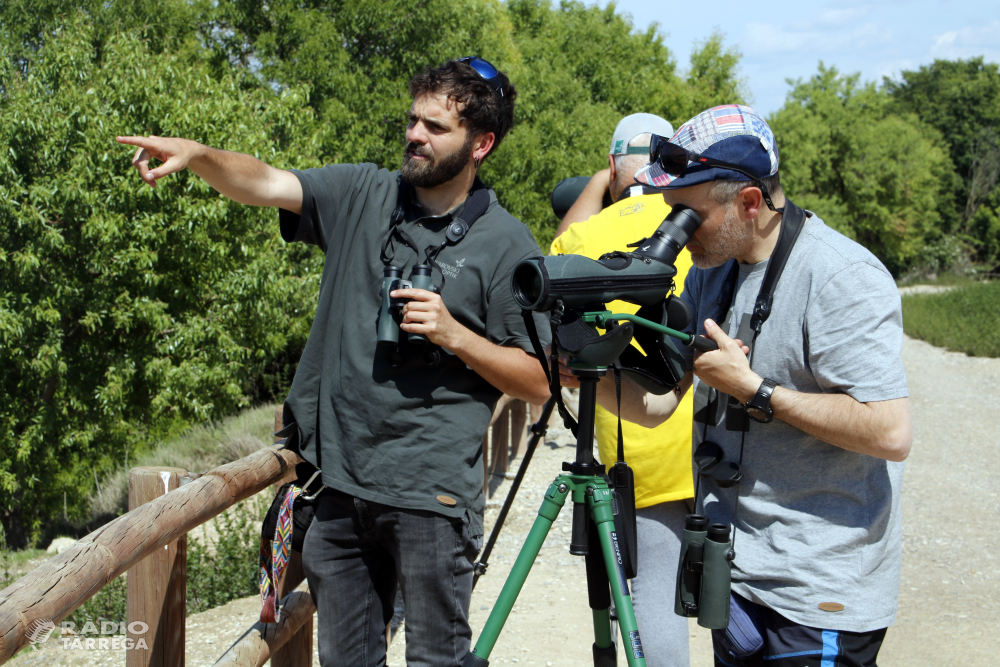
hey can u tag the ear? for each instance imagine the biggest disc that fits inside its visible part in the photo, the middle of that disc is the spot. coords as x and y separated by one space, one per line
484 144
614 170
750 202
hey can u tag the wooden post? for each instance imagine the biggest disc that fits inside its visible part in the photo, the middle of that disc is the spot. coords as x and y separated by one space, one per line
500 446
298 650
157 585
518 428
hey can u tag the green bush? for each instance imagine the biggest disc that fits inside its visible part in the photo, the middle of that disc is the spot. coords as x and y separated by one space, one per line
965 319
129 313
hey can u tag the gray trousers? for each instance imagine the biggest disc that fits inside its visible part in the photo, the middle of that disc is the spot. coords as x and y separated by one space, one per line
664 634
354 555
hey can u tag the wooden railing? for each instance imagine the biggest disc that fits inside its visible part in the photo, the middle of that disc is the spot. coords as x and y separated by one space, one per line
150 543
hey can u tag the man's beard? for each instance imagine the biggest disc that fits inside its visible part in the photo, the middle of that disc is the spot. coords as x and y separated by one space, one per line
730 241
434 171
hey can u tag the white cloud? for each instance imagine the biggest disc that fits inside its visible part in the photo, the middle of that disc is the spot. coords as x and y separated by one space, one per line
969 41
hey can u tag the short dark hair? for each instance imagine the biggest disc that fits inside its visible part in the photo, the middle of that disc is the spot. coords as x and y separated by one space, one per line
481 107
725 192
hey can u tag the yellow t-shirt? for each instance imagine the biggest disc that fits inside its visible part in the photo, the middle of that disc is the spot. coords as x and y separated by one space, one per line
661 456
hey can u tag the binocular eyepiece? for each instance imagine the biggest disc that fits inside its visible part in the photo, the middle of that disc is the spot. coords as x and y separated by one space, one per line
643 277
391 313
704 573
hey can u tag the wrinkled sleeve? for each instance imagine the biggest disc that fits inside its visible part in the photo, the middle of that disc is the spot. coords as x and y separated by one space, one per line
326 197
854 328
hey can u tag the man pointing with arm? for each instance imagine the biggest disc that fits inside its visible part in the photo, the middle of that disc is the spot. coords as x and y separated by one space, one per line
396 432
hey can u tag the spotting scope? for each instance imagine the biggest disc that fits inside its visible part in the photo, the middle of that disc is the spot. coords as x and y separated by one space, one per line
643 277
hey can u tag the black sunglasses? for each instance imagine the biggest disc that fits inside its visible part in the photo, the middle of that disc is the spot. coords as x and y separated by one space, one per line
486 70
674 160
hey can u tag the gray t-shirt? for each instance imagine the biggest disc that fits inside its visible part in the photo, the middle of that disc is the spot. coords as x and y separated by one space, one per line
409 436
817 523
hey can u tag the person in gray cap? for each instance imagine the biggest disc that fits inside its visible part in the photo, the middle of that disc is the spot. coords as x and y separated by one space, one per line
628 153
659 457
806 396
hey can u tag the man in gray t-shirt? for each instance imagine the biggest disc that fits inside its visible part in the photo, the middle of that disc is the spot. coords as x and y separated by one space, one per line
397 431
816 414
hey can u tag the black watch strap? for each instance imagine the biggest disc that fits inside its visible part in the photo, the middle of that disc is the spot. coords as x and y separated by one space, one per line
759 407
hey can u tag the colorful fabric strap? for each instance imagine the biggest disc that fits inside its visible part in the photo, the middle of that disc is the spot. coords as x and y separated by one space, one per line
274 558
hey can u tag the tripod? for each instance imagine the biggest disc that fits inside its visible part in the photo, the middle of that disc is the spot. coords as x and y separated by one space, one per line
593 537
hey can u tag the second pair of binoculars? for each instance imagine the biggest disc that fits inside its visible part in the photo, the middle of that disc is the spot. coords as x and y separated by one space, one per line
704 572
391 312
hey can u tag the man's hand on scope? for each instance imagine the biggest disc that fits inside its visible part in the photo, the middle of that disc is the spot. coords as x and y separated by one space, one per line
426 314
727 369
175 154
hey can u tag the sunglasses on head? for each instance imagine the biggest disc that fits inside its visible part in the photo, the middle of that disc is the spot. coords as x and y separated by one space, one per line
486 70
674 160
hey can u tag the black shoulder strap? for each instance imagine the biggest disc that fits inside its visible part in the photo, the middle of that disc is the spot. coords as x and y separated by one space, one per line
792 221
476 204
402 194
552 376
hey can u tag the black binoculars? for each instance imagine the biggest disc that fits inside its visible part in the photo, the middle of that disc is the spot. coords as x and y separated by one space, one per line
704 573
391 312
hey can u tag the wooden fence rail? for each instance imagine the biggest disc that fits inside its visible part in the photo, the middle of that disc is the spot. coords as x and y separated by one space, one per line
53 590
165 504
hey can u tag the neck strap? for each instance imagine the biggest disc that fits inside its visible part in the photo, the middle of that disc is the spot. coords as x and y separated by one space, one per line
475 205
792 221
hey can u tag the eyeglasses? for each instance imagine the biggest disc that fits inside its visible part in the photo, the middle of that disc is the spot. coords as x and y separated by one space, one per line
674 160
486 70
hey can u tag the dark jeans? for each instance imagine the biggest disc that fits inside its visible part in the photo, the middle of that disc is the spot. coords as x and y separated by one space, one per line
354 555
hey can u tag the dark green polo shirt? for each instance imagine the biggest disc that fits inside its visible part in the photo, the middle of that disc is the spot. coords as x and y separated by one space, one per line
399 436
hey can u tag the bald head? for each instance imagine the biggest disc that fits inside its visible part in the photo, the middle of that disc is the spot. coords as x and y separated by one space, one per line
623 167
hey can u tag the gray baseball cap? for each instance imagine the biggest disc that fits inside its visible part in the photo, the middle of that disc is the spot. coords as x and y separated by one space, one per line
631 126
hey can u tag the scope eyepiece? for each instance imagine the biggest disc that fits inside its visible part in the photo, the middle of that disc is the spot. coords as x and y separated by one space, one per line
672 235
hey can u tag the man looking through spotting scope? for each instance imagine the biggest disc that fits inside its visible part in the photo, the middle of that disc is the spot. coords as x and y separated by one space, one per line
397 426
815 416
660 457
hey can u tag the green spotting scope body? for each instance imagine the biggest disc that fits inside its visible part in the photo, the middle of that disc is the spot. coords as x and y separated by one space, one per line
643 277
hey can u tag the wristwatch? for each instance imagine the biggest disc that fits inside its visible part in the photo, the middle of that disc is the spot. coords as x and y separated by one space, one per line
759 407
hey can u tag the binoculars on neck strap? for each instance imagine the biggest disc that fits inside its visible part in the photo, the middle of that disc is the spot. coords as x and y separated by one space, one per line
704 573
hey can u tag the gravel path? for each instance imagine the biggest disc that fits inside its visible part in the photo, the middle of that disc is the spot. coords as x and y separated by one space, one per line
950 590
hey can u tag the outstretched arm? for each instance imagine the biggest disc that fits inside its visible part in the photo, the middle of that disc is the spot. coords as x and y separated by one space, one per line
589 203
240 177
879 428
638 405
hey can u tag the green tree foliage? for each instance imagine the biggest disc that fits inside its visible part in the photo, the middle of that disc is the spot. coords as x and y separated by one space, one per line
870 173
124 307
127 311
961 99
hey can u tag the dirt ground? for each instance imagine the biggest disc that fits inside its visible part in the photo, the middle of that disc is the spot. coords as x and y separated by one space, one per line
949 600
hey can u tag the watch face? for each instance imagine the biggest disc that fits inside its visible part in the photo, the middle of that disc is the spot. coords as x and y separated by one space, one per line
758 414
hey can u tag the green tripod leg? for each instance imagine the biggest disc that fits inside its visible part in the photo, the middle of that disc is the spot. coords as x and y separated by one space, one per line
554 500
601 511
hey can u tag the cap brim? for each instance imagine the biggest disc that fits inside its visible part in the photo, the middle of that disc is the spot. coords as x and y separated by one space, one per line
653 176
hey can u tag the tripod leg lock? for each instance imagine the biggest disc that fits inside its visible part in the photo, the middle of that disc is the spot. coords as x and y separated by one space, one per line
473 660
604 657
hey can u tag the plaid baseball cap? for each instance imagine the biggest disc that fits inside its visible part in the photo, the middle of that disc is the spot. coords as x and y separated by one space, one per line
630 127
731 133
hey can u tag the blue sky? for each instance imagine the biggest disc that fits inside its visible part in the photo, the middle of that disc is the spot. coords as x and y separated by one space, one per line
786 39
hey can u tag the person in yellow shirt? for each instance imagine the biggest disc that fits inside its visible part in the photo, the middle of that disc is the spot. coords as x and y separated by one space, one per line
661 456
